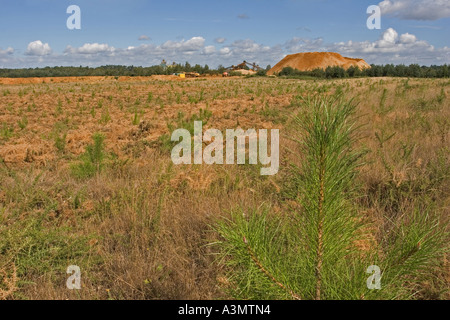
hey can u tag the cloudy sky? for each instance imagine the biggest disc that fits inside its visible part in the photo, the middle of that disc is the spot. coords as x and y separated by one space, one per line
34 33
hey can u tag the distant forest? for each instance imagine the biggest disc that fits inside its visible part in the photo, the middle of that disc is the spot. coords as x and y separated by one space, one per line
109 70
389 70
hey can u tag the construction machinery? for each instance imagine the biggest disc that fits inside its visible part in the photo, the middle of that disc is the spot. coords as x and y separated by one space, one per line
192 74
187 74
253 66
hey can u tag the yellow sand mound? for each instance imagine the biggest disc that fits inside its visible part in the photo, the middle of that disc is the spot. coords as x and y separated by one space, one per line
308 61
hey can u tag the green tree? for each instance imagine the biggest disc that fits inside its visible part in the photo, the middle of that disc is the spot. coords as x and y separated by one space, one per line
312 252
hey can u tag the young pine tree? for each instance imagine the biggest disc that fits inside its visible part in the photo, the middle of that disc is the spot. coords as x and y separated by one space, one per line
316 252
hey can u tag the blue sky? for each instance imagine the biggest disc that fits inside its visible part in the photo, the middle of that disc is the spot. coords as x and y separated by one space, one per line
34 33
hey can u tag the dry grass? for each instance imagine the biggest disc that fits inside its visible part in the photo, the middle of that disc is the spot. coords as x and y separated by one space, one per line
8 282
140 228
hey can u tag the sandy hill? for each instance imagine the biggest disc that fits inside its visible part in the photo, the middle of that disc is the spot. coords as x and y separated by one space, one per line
308 61
245 72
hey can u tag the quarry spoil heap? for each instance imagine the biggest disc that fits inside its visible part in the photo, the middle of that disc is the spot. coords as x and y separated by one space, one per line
307 61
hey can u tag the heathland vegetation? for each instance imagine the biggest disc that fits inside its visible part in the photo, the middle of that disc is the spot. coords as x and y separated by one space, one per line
86 179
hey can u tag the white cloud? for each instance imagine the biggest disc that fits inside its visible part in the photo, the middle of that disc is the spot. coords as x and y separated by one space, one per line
225 51
408 38
416 9
303 45
209 50
247 46
388 38
390 47
7 51
220 40
90 48
37 48
144 38
193 44
6 55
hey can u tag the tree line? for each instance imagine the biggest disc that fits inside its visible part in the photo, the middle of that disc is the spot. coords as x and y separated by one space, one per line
389 70
108 70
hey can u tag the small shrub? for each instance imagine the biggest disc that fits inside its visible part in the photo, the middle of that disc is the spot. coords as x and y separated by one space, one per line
60 142
314 251
22 123
6 132
92 161
105 117
149 97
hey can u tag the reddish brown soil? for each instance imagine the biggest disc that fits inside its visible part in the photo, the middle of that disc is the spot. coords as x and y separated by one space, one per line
308 61
85 105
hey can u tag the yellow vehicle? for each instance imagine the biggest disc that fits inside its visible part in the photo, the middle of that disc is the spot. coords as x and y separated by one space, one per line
187 74
192 75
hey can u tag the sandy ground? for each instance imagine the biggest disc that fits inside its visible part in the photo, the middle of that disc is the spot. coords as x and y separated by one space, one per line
308 61
35 111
